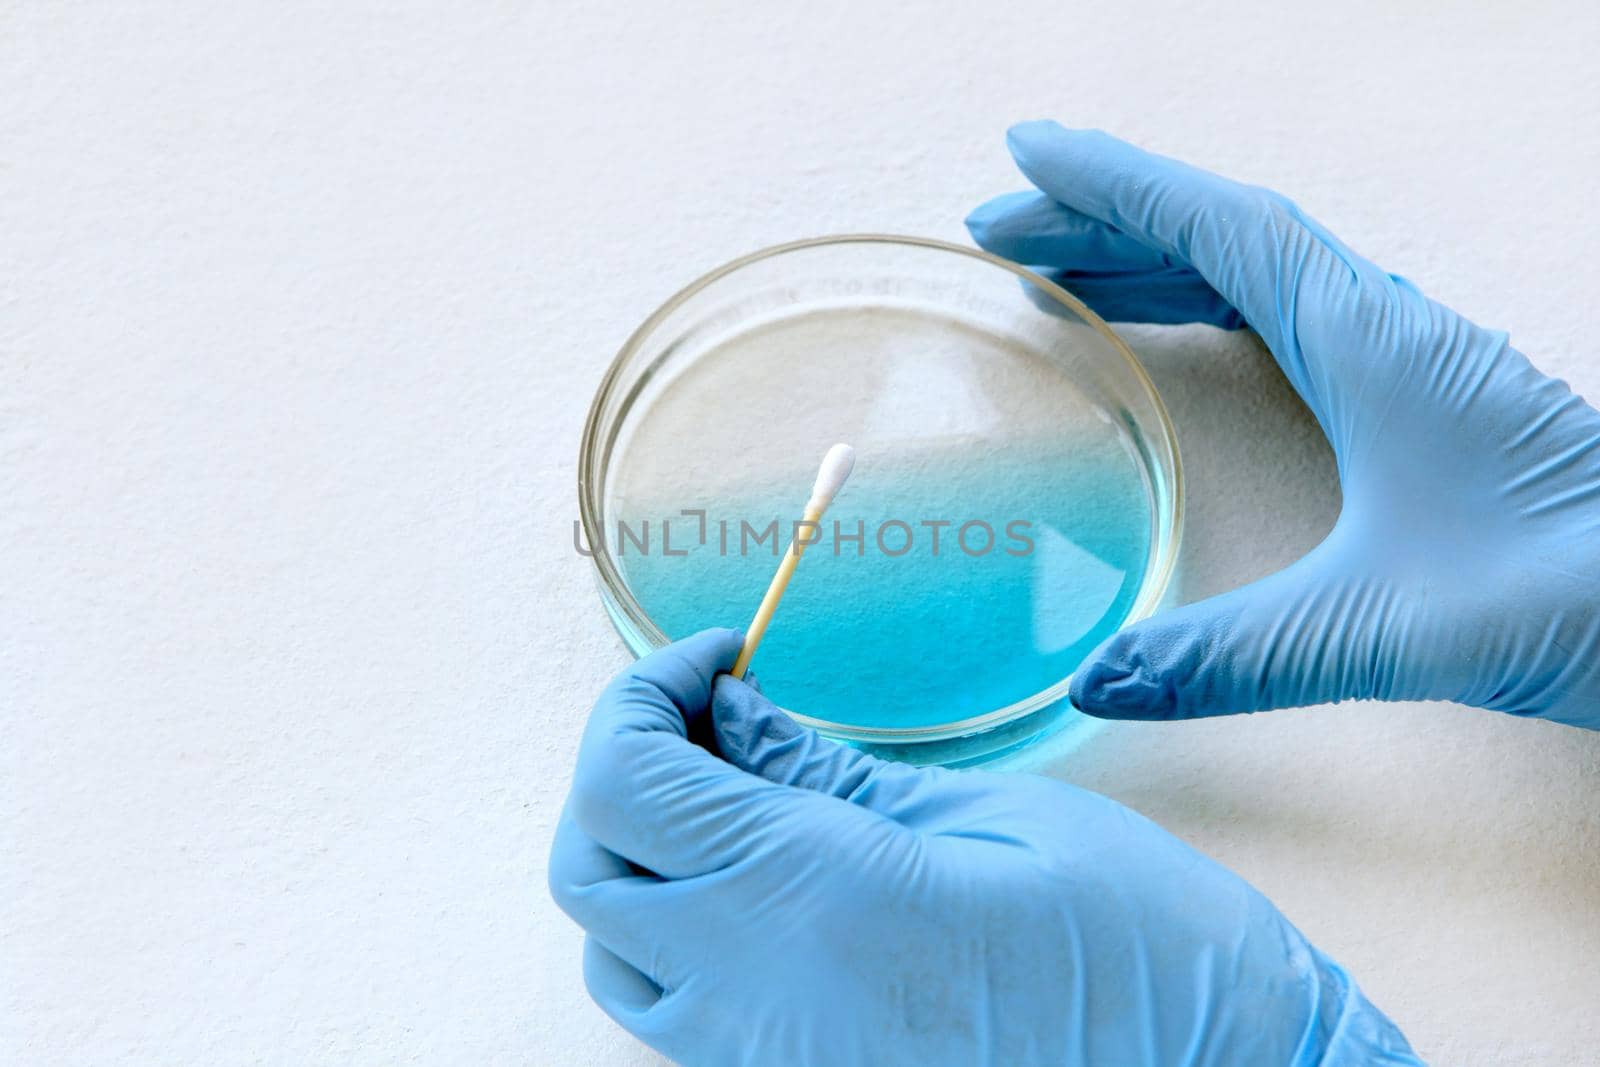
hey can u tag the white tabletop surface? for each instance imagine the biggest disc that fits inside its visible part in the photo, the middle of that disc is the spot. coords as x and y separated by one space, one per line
302 305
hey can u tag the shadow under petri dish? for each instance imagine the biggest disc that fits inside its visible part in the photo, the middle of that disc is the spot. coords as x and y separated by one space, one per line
996 528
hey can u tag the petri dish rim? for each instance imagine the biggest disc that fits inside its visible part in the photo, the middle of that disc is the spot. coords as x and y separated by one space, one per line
600 434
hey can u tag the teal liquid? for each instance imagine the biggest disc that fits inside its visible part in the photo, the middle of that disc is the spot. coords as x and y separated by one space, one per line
864 638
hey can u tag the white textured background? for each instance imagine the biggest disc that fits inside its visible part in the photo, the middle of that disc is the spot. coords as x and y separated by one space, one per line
302 306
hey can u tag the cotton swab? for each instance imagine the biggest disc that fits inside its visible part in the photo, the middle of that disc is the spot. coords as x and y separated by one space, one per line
836 466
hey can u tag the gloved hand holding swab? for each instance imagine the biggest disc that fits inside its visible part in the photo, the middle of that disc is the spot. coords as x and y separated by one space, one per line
836 467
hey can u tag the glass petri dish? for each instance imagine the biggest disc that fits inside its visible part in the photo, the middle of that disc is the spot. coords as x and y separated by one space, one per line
1017 495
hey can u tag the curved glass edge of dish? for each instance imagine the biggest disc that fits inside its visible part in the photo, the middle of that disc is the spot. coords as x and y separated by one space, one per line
995 736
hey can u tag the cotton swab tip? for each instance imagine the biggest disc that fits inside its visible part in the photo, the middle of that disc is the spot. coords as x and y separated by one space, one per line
836 467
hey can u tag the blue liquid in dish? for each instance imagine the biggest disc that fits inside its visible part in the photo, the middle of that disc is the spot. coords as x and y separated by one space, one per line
869 636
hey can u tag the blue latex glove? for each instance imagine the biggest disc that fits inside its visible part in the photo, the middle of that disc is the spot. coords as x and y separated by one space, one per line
1465 564
792 901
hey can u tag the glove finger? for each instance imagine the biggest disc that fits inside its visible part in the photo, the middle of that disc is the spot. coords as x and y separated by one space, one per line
620 990
644 791
602 893
1276 266
1312 633
757 736
666 690
1031 228
1172 296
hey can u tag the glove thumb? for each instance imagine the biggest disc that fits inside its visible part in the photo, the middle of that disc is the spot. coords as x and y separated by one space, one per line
1312 633
758 737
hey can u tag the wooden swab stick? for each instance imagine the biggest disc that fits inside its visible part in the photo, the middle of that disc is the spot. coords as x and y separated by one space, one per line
835 469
